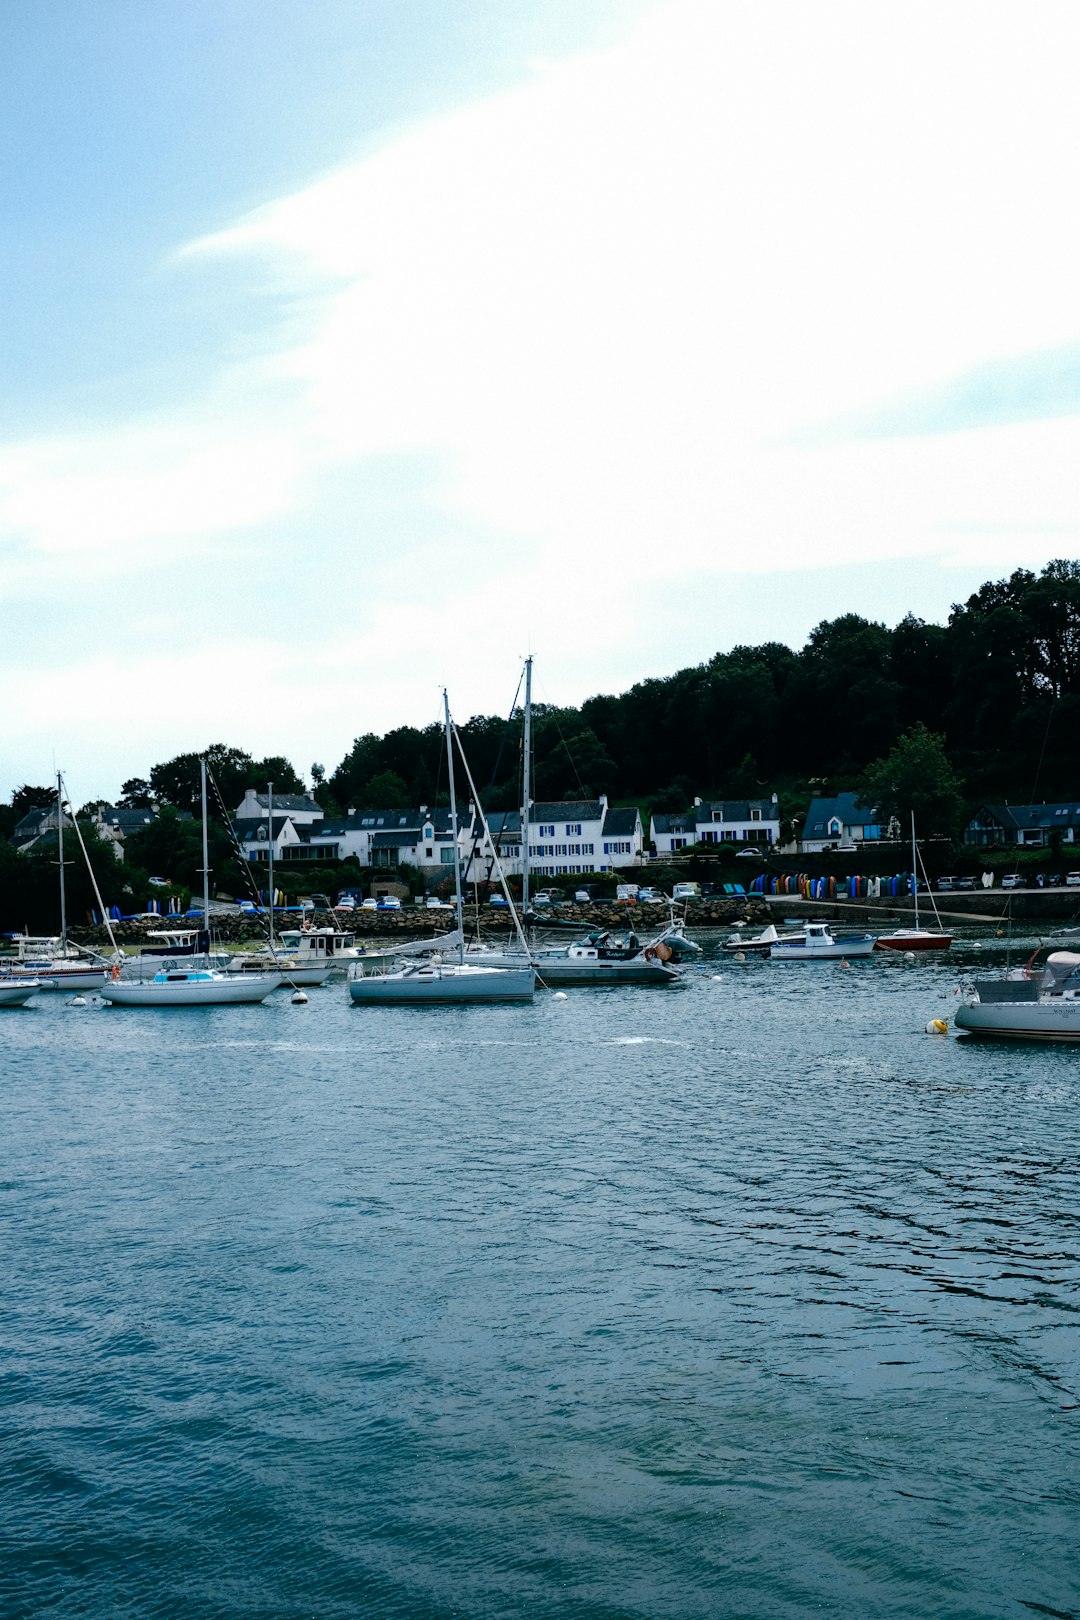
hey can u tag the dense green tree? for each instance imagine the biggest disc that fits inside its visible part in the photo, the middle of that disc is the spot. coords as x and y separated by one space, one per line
31 798
135 794
916 777
387 791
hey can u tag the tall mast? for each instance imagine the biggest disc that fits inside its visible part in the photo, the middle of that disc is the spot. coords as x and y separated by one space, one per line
270 854
205 849
63 889
526 786
454 828
914 870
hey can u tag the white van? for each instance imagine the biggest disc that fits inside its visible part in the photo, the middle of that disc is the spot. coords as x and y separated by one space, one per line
626 891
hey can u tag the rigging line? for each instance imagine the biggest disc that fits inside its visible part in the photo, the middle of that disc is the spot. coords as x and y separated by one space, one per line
573 766
93 876
245 867
1042 751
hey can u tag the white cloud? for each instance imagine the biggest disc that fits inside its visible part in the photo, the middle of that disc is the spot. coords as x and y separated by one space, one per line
593 309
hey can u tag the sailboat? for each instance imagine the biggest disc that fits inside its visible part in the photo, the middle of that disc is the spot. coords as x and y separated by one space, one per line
436 981
182 983
51 959
915 939
600 958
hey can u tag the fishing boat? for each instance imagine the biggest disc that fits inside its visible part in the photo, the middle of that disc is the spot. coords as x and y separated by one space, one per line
438 982
916 939
180 982
817 943
1027 1004
17 992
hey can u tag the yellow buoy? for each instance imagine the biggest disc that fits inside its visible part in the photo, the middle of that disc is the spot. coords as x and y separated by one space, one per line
937 1026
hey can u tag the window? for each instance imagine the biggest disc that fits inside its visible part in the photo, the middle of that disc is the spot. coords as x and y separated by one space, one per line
446 856
547 831
678 843
428 851
755 815
573 829
429 832
718 815
708 838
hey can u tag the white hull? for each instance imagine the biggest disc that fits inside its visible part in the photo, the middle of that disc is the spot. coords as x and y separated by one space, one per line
442 983
289 974
559 967
17 992
58 976
1055 1020
817 950
179 991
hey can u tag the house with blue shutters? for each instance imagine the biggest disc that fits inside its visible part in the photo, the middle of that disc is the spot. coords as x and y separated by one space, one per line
840 822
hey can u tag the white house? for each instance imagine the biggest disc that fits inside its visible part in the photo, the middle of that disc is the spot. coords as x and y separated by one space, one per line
717 821
566 836
303 810
839 822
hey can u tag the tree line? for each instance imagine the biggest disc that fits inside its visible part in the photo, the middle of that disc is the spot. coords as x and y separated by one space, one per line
996 690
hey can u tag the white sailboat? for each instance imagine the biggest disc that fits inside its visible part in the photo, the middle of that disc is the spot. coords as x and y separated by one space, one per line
50 959
600 958
1026 1005
915 939
438 982
17 992
188 985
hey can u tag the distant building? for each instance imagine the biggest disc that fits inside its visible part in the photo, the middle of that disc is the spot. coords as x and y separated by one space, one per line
839 822
301 807
717 821
1027 826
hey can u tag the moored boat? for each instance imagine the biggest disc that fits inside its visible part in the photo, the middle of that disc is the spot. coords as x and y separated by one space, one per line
758 944
817 943
190 987
17 992
1039 1005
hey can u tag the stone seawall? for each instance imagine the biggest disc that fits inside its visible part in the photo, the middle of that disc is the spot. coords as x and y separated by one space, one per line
418 923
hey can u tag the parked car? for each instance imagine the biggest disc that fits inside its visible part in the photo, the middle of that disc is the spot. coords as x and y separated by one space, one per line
497 900
346 903
626 891
1013 880
650 897
547 897
686 891
1072 880
582 897
433 903
964 883
388 902
371 904
946 883
159 883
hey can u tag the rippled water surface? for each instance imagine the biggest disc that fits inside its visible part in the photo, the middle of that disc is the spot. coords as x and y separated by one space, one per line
742 1298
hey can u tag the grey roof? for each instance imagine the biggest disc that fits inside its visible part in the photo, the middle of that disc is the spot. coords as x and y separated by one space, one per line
846 807
566 810
395 840
1048 816
33 821
249 829
738 809
674 822
503 823
125 820
621 823
289 801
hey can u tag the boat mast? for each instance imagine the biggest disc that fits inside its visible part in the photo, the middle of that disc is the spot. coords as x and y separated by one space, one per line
526 787
205 849
454 828
270 854
63 889
914 870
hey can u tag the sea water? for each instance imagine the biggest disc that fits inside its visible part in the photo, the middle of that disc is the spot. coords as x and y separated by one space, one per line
741 1298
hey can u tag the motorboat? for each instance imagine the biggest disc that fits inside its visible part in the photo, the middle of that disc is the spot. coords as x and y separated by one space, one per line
17 992
675 938
293 971
1027 1004
747 944
916 939
190 987
817 943
440 983
601 958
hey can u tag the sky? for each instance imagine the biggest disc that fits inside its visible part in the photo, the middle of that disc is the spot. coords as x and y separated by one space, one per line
354 349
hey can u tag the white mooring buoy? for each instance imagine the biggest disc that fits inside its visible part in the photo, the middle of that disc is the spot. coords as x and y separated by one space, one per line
909 956
299 998
77 1001
560 995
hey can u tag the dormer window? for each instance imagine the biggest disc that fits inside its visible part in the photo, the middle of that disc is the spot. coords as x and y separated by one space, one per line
835 827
